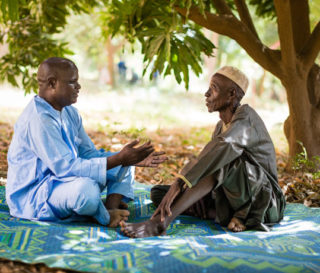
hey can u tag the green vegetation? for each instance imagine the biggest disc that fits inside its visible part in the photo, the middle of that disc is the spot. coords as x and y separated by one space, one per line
170 33
302 163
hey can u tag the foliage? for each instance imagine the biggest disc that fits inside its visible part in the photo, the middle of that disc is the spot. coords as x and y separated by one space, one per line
301 163
264 8
26 27
169 43
84 35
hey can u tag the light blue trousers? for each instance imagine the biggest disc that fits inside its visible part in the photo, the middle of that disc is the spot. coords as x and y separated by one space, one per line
82 197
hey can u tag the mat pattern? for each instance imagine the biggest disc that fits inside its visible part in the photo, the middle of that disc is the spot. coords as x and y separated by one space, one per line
192 245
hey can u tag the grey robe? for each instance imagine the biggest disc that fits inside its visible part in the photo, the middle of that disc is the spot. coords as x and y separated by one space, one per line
242 161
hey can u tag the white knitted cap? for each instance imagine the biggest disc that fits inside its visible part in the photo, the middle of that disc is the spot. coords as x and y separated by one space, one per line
235 75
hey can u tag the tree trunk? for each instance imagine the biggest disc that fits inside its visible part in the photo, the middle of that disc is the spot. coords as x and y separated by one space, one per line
110 54
303 123
291 64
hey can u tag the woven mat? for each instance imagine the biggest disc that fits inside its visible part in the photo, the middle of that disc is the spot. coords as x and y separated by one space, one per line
192 245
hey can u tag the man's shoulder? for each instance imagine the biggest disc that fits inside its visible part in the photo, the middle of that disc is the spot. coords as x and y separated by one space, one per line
37 112
73 113
254 120
245 108
44 113
72 110
247 112
28 113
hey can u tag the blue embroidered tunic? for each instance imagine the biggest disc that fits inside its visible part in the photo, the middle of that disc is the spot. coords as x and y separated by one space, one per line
48 146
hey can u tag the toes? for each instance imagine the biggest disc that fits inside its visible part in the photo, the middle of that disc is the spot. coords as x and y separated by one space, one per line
124 231
122 224
236 225
231 225
124 213
132 234
127 230
128 233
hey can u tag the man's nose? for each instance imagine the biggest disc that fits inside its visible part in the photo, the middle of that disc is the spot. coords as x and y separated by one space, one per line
207 94
78 86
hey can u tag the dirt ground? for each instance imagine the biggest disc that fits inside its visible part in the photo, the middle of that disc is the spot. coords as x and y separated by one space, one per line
180 146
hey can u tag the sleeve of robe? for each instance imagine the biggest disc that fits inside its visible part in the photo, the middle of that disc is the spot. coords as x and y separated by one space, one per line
222 149
119 179
119 173
48 144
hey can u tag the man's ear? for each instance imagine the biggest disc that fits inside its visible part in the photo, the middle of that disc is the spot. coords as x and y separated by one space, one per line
232 92
52 81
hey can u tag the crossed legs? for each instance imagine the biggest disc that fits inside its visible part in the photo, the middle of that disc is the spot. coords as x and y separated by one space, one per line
81 197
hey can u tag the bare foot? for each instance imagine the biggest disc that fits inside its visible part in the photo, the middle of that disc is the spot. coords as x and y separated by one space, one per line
236 225
117 215
145 229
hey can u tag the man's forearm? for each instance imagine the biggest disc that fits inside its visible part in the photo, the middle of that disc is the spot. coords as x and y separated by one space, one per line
113 161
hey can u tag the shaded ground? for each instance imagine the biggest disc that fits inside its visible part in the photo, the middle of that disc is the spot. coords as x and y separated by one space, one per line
180 145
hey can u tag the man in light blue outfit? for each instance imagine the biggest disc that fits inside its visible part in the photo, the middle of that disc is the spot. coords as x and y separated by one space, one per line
55 172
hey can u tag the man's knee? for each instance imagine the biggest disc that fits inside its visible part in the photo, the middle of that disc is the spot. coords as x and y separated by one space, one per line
87 195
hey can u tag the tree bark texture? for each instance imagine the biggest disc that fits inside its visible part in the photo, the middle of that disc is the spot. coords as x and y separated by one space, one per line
303 123
110 55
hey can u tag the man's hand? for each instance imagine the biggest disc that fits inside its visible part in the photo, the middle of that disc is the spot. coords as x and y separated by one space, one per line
153 160
129 155
164 209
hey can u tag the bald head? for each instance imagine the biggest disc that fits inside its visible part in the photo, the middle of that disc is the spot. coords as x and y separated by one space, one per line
58 82
52 69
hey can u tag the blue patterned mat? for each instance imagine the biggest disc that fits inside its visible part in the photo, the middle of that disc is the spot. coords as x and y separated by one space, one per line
192 245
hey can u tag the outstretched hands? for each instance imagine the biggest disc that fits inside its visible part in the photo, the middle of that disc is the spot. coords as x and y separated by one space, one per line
153 160
164 209
129 155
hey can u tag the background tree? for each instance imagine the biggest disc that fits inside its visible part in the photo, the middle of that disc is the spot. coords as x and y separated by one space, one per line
26 28
159 24
172 41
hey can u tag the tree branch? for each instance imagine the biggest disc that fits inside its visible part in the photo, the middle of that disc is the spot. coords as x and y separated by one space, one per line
312 48
230 26
288 53
222 7
245 16
300 23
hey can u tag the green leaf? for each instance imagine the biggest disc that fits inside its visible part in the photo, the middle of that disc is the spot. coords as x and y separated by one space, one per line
4 4
12 80
13 9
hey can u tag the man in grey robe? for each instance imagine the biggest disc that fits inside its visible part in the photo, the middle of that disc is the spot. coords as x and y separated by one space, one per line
234 178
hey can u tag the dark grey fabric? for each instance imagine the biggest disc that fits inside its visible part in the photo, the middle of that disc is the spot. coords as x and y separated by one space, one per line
157 193
242 160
